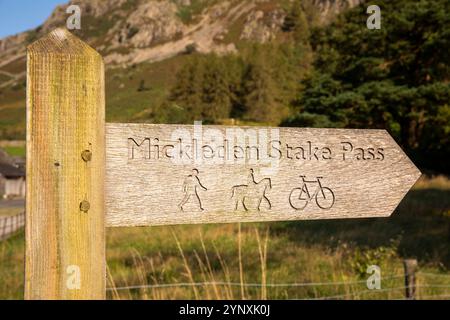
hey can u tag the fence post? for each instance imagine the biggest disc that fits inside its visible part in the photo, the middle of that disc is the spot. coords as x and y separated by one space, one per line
410 266
65 238
3 228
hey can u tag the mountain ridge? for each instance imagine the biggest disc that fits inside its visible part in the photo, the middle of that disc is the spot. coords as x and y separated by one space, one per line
132 34
152 24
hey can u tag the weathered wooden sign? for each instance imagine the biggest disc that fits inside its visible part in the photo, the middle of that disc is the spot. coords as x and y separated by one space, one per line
172 174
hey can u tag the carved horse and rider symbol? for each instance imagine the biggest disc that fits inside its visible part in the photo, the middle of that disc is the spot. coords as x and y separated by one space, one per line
251 191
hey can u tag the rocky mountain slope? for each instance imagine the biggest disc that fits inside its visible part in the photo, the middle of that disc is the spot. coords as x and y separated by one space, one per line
130 33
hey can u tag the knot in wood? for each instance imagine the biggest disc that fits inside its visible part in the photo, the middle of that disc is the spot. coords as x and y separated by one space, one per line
86 155
85 206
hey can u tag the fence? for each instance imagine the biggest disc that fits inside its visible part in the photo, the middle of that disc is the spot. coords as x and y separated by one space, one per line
354 289
11 224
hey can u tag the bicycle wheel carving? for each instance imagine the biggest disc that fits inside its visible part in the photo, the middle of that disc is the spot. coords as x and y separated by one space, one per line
325 199
300 197
295 199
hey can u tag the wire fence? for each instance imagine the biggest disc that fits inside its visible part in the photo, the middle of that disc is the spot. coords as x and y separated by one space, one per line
348 295
433 274
238 284
374 291
9 225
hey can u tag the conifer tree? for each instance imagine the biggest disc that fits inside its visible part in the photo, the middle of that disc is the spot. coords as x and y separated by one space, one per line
260 92
216 94
296 22
395 78
187 92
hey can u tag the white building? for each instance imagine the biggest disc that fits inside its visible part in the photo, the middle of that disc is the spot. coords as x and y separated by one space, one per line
12 176
12 181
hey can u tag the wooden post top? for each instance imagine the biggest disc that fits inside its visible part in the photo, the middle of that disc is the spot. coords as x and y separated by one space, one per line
62 42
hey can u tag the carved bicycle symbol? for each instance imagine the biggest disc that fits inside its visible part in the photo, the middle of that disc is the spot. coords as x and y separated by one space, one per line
300 197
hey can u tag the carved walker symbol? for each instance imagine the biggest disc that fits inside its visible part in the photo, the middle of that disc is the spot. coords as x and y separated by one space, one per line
190 185
300 197
253 190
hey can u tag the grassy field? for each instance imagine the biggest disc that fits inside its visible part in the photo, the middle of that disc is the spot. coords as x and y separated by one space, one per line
18 151
259 261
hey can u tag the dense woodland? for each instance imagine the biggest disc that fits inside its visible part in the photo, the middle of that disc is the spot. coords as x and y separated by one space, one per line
339 75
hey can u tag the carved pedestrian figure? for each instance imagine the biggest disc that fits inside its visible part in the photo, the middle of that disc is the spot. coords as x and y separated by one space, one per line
190 188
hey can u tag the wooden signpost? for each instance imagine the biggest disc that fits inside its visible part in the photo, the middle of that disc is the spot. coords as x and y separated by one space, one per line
83 174
169 174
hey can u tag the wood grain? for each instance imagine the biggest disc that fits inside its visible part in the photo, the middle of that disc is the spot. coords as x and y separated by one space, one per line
65 116
364 174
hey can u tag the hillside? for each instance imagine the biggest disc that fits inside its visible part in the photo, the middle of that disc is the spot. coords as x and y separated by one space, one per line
146 42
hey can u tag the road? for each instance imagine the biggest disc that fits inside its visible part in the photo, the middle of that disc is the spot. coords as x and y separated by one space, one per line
17 203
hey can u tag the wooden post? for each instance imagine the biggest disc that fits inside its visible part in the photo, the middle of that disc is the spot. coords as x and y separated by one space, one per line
65 238
410 266
3 232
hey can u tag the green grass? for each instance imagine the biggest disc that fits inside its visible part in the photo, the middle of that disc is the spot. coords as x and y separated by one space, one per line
11 267
12 121
4 78
188 13
12 111
234 32
126 103
15 151
301 252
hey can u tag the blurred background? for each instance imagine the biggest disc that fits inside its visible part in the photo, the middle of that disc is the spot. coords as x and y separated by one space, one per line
311 63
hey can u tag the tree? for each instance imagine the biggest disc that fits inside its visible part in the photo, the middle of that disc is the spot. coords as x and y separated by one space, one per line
260 92
187 91
216 93
395 78
290 21
206 87
296 23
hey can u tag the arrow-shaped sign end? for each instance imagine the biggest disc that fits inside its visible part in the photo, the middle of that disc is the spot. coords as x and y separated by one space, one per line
405 175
